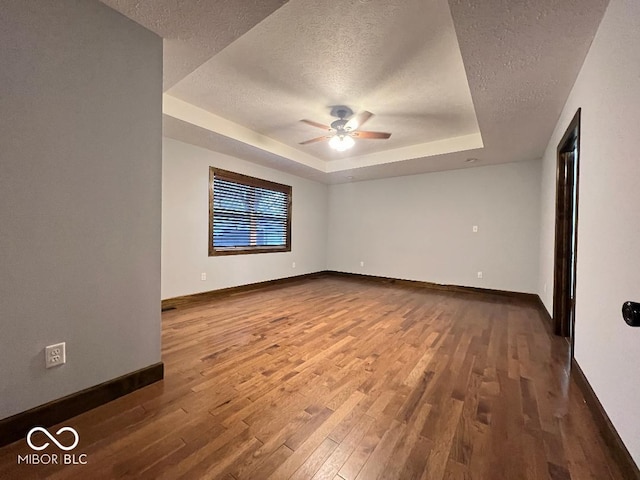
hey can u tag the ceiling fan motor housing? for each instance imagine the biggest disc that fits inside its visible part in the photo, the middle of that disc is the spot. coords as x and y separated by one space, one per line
342 130
341 111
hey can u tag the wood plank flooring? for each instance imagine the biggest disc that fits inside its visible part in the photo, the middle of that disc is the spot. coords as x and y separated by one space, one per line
341 379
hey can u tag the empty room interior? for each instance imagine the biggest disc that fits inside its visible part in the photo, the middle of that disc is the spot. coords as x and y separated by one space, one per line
320 240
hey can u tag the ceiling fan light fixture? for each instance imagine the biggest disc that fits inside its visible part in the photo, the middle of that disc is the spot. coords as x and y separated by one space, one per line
342 131
341 142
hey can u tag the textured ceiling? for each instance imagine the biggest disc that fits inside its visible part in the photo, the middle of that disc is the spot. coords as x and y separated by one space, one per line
194 31
398 59
522 59
240 75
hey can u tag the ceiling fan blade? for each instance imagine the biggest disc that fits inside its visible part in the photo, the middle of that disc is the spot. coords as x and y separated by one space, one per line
381 135
317 139
316 124
358 120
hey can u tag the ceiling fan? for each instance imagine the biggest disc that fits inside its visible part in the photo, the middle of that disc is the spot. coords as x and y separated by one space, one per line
345 129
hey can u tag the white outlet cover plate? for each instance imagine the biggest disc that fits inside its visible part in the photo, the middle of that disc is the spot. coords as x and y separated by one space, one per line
55 355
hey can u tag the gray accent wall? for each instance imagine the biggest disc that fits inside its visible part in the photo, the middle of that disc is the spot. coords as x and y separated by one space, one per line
420 227
608 255
185 225
416 227
80 197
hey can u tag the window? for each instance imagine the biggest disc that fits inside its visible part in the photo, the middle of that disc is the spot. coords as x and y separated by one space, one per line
247 214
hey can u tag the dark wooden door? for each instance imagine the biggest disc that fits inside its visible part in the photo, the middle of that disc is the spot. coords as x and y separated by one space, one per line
566 238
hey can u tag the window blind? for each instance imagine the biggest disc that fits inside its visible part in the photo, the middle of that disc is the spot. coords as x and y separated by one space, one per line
248 214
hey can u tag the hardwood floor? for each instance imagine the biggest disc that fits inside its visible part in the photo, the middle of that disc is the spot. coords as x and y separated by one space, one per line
332 378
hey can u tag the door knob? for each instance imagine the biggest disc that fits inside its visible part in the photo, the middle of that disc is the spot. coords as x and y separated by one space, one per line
631 313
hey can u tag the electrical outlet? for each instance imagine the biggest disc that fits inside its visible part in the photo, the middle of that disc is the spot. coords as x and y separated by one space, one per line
55 355
475 229
362 264
203 276
293 265
479 274
544 287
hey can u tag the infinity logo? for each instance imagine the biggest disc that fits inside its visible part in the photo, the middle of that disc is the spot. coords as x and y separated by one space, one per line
46 444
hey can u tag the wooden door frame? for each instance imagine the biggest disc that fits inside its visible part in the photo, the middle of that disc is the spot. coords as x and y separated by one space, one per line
563 304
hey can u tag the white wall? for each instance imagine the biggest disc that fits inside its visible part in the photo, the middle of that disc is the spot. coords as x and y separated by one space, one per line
80 184
185 225
608 90
420 227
